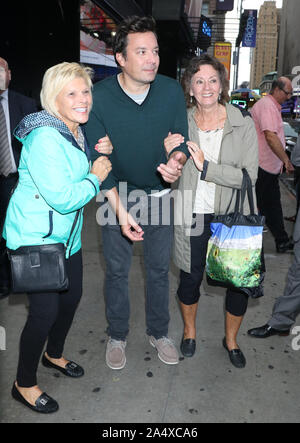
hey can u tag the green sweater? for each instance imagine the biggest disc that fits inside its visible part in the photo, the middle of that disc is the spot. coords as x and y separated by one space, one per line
137 132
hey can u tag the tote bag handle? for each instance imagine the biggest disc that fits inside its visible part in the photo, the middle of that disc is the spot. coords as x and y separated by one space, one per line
241 194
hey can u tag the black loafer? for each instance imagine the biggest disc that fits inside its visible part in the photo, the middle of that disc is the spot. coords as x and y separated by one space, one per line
236 356
44 404
285 246
188 347
4 292
70 370
266 331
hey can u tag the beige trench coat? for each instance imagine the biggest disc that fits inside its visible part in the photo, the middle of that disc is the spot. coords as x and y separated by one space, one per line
239 149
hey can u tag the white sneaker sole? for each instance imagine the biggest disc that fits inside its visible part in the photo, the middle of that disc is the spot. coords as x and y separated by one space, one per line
114 368
160 357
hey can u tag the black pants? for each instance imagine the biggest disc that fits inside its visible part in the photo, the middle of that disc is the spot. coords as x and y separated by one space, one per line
50 316
189 287
269 204
297 186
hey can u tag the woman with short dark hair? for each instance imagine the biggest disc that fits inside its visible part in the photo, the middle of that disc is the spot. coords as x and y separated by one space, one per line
222 142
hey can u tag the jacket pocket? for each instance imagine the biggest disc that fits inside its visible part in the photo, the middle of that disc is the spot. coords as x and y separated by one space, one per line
50 224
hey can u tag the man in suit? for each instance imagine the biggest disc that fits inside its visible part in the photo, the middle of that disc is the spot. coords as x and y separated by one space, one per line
13 107
287 306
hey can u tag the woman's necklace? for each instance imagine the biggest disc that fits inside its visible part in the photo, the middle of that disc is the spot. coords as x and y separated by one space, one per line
210 126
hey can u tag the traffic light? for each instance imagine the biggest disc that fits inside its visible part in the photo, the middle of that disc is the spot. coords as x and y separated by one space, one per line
224 5
204 33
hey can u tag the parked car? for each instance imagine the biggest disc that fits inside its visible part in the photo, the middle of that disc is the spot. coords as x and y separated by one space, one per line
290 137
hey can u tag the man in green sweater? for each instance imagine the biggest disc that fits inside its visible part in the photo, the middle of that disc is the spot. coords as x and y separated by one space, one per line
137 109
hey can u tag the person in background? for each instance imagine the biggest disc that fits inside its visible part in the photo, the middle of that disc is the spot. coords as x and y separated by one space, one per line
287 306
266 114
13 107
222 142
137 109
295 159
55 181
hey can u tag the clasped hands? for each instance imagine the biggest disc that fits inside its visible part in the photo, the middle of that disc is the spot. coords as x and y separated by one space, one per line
173 169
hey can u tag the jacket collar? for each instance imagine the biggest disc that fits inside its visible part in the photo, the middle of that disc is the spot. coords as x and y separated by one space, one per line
41 119
234 118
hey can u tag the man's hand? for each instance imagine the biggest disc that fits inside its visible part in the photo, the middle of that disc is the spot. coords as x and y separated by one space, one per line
289 167
276 146
131 229
129 226
173 169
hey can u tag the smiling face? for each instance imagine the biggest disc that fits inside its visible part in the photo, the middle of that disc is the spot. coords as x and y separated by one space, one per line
206 86
74 103
141 62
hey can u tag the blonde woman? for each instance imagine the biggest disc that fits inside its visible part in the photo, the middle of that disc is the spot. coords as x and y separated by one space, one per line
55 182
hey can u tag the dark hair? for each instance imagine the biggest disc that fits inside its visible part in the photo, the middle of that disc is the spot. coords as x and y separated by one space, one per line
131 25
193 67
277 84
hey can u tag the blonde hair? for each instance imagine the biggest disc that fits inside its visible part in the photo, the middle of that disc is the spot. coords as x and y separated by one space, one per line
57 77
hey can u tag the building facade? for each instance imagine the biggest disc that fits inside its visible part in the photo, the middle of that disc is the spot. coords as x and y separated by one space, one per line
289 54
265 54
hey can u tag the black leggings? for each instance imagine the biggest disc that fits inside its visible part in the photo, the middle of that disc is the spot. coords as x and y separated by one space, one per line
189 287
50 316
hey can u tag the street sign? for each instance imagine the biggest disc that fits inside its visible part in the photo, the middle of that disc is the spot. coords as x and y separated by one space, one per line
222 51
249 37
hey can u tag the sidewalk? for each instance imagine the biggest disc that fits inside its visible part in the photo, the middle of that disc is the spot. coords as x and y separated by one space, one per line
205 388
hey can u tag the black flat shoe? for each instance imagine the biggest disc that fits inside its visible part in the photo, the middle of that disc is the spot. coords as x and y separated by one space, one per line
4 292
285 246
236 356
188 347
70 370
266 331
44 404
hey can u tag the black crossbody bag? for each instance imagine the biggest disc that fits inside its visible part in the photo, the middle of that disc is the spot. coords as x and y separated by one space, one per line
40 268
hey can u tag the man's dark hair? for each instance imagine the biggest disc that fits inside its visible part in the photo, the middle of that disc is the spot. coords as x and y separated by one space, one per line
277 84
131 25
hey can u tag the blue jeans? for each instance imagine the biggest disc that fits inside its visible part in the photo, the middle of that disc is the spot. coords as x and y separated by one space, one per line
117 249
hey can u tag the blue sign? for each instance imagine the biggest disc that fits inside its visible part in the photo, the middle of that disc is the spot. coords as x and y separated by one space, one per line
206 29
249 38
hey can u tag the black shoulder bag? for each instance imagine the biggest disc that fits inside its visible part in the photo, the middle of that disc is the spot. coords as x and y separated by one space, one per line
40 268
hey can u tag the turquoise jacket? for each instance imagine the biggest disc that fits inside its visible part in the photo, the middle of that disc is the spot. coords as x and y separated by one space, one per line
54 182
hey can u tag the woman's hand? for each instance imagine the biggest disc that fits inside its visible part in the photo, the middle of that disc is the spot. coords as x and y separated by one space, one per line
104 146
172 141
197 154
101 168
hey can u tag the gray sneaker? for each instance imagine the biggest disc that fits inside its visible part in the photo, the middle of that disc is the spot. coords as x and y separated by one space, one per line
165 347
115 354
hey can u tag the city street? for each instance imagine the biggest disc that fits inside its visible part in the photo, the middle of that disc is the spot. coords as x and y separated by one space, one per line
203 389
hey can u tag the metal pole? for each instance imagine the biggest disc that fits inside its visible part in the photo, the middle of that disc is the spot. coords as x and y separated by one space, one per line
238 54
